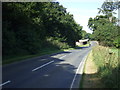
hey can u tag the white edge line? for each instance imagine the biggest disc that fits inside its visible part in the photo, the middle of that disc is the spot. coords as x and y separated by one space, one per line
75 76
82 62
85 58
42 65
5 83
62 57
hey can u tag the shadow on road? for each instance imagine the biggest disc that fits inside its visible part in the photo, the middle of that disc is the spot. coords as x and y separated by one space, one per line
54 75
63 52
81 47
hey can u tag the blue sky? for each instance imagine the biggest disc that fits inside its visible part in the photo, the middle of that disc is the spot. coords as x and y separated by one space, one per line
82 10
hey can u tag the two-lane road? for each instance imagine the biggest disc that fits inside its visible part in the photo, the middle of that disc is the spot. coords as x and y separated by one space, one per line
60 70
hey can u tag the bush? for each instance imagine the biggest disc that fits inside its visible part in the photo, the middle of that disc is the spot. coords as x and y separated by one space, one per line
117 42
57 43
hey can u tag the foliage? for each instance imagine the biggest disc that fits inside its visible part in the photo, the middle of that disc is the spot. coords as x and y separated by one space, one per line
85 35
105 29
58 43
28 26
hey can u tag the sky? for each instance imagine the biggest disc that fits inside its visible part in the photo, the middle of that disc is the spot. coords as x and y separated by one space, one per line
82 10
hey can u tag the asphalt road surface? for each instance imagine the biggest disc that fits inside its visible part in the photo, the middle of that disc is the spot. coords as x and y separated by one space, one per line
60 70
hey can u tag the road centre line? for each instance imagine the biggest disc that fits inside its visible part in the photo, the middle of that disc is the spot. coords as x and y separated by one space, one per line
42 59
5 83
62 57
43 65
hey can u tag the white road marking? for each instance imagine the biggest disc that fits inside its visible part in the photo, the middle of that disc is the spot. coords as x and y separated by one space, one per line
62 57
43 60
5 83
57 65
42 65
78 72
75 77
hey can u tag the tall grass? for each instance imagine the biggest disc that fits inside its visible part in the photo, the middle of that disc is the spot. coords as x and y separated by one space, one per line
107 62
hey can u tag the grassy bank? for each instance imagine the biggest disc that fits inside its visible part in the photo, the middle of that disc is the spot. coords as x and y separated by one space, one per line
16 58
50 46
106 61
86 45
45 51
90 78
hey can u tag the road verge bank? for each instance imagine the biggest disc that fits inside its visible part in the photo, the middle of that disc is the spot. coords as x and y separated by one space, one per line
45 51
24 57
101 69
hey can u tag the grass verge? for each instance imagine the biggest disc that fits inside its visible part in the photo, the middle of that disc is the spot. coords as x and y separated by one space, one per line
86 45
45 51
106 61
23 57
90 79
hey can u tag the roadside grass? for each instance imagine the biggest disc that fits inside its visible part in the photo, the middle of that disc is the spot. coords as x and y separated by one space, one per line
90 79
86 45
68 49
114 50
108 67
45 51
107 61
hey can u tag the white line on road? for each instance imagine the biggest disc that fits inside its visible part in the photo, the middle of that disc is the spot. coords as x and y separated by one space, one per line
62 57
79 71
42 65
75 76
5 83
42 59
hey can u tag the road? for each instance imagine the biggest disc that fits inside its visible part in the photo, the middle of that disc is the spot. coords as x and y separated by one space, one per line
60 70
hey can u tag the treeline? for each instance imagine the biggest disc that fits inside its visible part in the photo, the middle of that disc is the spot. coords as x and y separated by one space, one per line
105 28
86 35
32 26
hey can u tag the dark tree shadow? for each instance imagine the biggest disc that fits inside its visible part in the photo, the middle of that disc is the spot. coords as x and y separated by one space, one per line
59 74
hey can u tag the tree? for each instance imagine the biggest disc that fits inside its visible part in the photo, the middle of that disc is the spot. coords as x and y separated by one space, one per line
27 27
104 29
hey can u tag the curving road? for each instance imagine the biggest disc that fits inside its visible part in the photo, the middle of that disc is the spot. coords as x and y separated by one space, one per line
60 70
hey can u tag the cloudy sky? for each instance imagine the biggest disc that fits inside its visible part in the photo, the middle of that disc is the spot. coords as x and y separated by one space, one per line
82 10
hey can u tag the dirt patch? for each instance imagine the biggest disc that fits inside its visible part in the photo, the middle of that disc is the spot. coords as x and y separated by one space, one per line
90 78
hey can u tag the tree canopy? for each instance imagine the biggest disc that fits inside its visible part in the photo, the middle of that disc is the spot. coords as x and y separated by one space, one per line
29 27
105 28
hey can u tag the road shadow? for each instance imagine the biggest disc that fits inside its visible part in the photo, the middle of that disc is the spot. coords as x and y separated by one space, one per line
81 47
59 74
63 52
